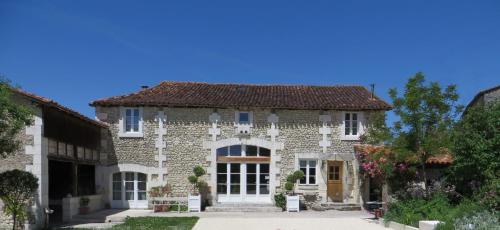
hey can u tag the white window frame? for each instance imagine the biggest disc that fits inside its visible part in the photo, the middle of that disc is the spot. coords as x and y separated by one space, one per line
122 123
237 118
307 160
359 123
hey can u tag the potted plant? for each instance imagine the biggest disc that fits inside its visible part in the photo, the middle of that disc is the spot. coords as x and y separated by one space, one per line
194 198
84 205
292 200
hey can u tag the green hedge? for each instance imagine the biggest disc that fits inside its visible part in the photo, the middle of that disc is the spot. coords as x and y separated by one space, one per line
411 211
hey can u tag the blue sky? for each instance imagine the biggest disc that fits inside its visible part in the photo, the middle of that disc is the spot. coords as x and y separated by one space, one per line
75 52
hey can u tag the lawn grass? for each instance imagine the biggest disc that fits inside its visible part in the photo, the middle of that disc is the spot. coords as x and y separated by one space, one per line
154 223
150 223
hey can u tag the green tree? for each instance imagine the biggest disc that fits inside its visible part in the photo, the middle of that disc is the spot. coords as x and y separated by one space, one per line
427 113
13 118
476 149
16 190
377 130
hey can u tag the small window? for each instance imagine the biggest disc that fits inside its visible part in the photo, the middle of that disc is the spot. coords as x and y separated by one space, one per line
351 124
132 118
308 167
244 118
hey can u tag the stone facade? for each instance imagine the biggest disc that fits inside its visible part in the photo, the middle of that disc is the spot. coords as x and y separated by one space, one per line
191 134
22 159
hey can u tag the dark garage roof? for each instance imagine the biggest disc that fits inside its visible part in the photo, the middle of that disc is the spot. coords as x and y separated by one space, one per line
196 94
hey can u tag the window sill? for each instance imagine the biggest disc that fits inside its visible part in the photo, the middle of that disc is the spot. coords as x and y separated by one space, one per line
134 135
350 138
308 186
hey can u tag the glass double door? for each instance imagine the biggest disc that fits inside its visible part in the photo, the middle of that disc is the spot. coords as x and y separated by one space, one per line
243 182
129 190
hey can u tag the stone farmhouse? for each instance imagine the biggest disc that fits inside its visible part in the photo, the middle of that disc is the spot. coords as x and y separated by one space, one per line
247 137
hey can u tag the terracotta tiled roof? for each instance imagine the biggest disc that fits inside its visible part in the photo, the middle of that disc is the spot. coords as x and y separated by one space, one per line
195 94
50 103
444 157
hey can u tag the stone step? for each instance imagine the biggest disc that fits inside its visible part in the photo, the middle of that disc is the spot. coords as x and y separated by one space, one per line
341 206
239 207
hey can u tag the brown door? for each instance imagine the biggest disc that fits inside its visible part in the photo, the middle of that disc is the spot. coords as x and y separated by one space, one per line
335 180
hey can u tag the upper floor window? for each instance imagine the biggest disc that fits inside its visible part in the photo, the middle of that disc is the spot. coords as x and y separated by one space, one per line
132 120
243 118
351 124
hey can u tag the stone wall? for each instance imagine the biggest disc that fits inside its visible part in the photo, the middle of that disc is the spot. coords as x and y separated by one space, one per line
19 159
188 128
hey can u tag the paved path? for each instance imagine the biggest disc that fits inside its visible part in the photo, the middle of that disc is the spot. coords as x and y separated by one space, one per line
285 223
307 220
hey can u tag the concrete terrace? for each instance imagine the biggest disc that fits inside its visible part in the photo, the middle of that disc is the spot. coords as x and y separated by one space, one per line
331 219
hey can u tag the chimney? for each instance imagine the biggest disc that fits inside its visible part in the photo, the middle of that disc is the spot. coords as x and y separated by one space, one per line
373 90
144 86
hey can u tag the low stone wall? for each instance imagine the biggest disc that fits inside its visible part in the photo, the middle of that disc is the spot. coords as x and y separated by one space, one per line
71 205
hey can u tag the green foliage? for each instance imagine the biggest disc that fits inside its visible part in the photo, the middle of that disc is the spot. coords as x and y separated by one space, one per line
13 118
463 209
489 194
292 178
484 220
377 131
193 179
411 211
84 201
198 184
476 141
289 186
153 223
280 200
198 171
16 190
426 112
298 175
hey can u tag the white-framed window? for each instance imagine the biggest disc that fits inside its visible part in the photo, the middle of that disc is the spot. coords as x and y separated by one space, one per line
309 168
131 122
243 117
352 125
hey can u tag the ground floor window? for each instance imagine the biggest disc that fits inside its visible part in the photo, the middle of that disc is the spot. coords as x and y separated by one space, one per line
129 186
308 167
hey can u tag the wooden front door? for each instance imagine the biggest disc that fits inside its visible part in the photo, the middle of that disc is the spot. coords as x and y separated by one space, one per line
335 189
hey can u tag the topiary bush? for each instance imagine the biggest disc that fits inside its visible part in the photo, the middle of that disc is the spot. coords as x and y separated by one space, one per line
292 179
198 172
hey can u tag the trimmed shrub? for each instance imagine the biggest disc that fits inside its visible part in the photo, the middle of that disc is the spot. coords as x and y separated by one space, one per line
280 200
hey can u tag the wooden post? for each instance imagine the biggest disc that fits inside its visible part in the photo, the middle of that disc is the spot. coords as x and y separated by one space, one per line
75 179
